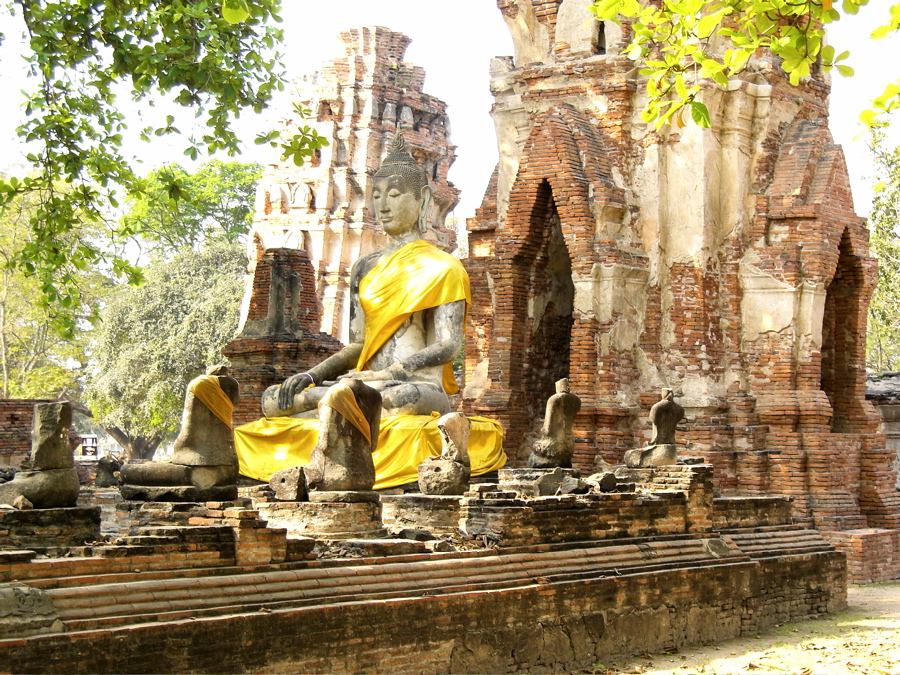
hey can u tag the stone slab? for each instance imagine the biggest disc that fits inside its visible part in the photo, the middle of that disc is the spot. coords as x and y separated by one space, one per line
348 497
178 493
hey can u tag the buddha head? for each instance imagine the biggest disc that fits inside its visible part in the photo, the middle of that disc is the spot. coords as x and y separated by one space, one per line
400 194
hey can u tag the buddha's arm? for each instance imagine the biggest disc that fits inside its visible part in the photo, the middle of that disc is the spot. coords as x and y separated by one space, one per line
332 367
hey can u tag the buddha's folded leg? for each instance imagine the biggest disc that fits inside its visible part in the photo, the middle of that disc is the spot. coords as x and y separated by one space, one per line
415 398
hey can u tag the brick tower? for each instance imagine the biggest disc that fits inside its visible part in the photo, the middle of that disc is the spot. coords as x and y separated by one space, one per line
725 263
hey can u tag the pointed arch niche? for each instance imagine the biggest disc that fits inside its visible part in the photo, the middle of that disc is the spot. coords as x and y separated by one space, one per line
843 348
547 321
540 257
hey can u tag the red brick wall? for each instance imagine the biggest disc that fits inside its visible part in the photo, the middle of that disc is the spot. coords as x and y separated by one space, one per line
15 429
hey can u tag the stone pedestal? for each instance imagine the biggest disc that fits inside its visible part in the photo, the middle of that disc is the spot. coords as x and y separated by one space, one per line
328 515
178 493
538 482
655 455
436 513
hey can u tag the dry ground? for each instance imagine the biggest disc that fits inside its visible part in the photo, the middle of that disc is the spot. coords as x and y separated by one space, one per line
863 639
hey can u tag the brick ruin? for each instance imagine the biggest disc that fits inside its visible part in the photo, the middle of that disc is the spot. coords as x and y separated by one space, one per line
559 583
358 101
725 263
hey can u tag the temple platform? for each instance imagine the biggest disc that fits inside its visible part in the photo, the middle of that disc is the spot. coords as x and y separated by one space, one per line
529 584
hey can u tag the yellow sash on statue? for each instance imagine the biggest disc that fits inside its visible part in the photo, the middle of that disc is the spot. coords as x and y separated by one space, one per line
209 391
341 398
404 441
416 277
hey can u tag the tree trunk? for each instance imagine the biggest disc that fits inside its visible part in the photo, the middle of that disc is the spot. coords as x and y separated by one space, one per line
137 447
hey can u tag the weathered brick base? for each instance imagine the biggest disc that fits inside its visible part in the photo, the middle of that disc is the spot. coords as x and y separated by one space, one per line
334 520
49 529
872 554
535 627
438 514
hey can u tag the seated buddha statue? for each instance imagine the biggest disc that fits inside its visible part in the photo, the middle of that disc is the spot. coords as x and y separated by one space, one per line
407 310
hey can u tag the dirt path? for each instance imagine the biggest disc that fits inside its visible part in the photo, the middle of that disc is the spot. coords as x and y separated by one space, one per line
864 639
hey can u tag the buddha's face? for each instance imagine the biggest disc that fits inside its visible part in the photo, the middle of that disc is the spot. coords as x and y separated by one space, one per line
396 207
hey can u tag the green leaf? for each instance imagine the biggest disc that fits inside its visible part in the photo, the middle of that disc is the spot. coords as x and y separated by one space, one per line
846 71
708 23
235 11
700 114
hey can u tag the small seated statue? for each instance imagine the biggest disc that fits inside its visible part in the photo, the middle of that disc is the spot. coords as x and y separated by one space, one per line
448 474
407 310
661 451
204 464
556 445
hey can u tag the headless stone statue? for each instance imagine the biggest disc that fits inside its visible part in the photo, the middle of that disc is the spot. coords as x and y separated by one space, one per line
350 415
407 308
556 445
661 451
204 464
449 473
51 481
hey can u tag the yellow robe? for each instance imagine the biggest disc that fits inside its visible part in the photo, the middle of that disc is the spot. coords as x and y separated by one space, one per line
404 441
417 276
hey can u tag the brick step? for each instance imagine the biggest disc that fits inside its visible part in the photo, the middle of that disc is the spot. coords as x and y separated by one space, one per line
767 544
273 603
154 600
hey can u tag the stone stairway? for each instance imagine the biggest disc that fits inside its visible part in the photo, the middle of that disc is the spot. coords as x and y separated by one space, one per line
86 604
767 542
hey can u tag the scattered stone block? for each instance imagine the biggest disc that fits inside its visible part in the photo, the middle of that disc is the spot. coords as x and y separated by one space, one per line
22 503
448 474
289 485
603 482
415 534
536 482
443 477
106 472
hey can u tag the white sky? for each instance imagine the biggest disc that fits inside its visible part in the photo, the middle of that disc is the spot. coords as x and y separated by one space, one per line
454 43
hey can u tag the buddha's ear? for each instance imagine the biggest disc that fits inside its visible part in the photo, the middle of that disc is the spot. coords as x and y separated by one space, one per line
425 195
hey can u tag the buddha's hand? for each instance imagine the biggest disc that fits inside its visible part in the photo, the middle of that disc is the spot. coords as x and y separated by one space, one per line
394 373
291 386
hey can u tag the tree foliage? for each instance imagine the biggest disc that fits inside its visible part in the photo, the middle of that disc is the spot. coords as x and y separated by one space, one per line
156 337
680 42
214 57
35 361
883 343
178 210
